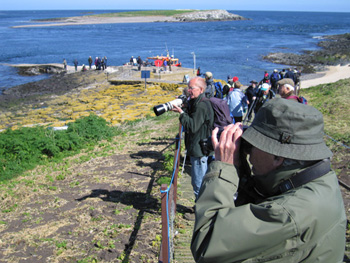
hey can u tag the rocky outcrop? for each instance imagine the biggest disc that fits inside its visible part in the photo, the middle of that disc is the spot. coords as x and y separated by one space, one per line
33 70
210 15
335 50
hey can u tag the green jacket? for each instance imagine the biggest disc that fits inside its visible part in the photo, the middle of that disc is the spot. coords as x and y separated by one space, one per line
306 224
197 122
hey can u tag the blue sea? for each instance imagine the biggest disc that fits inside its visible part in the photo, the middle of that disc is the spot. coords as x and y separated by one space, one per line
225 48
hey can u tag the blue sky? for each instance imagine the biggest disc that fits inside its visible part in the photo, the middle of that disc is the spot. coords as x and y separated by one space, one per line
261 5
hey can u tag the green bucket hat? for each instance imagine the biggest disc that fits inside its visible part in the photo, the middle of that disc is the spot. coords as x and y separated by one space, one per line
288 129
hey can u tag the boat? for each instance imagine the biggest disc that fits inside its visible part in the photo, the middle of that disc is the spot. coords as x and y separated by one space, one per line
159 60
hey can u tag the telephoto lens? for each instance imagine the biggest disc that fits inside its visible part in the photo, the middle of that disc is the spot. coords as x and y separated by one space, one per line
160 109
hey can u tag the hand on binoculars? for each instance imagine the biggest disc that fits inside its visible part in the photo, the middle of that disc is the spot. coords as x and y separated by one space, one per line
227 148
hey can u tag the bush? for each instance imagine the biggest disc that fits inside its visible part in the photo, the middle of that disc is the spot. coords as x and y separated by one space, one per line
25 148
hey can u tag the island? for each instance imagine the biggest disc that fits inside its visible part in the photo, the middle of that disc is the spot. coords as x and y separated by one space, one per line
139 17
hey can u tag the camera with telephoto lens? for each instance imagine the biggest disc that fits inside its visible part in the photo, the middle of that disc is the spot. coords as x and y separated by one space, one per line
160 109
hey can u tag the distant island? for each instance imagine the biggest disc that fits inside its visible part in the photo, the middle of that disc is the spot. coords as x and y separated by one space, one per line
140 17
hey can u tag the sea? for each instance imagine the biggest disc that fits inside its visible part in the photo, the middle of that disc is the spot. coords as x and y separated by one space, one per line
224 48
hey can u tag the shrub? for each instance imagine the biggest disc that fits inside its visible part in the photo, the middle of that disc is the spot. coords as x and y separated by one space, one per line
24 148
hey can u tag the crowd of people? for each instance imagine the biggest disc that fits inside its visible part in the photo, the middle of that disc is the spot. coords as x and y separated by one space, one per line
99 62
263 197
282 83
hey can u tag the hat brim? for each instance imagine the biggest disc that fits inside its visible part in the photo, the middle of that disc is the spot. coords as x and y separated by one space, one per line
310 152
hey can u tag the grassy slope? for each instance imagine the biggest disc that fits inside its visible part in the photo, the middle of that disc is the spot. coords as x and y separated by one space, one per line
332 100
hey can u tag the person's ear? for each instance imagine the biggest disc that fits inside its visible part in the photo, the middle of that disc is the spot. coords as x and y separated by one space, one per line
278 161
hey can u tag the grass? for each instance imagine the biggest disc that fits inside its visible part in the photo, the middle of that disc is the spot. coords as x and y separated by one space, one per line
146 13
331 99
25 148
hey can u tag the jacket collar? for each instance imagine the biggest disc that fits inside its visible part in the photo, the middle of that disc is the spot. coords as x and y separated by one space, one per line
268 185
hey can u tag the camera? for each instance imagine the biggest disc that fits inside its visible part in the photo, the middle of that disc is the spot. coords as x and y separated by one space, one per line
160 109
206 144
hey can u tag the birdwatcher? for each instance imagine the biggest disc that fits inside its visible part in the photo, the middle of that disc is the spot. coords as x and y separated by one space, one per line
286 206
197 121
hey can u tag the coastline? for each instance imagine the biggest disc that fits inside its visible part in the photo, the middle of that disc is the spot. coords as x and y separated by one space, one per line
331 74
88 20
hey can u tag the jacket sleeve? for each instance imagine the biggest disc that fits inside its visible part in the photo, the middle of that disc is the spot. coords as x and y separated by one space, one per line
226 233
195 122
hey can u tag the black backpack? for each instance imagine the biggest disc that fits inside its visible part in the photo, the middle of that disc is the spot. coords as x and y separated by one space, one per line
221 110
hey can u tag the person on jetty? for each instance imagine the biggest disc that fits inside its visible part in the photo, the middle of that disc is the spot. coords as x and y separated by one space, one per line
90 62
199 72
197 120
105 60
75 62
65 64
102 63
290 209
139 63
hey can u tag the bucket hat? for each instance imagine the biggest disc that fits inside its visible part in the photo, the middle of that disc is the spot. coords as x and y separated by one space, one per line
290 130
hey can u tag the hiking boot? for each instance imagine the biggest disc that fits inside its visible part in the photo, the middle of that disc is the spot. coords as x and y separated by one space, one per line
189 216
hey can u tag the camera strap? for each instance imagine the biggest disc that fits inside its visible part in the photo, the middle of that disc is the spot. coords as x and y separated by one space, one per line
309 174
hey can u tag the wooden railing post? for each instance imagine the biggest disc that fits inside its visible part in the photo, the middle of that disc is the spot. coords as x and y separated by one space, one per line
170 195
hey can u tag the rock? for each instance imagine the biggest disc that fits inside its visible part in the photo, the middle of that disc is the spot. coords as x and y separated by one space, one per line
335 50
33 70
210 15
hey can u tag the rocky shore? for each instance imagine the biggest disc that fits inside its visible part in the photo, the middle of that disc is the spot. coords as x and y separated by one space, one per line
210 15
334 50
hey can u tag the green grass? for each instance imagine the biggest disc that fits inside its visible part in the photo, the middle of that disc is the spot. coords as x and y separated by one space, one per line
25 148
332 100
146 13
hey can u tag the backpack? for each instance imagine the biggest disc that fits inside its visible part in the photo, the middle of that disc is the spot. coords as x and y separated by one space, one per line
274 77
218 90
300 99
221 110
